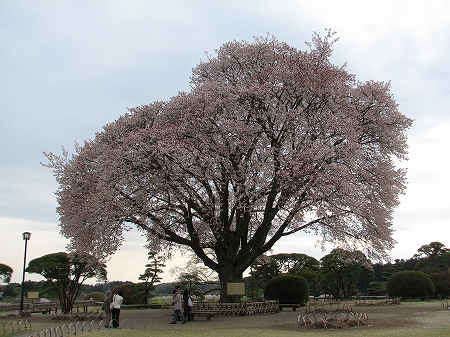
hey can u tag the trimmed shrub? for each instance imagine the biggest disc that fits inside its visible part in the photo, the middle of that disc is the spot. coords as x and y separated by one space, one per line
96 295
287 289
441 282
376 289
410 284
128 291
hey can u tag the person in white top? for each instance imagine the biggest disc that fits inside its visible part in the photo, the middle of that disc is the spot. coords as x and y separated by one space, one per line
115 312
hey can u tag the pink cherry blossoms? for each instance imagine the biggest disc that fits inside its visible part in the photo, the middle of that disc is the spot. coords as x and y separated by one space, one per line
269 142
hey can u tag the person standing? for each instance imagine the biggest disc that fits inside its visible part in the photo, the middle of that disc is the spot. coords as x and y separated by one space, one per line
177 302
115 312
187 304
106 308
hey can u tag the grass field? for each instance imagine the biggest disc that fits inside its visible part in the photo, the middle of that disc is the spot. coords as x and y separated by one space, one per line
424 331
419 319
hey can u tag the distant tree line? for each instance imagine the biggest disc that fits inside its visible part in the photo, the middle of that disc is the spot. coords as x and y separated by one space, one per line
343 274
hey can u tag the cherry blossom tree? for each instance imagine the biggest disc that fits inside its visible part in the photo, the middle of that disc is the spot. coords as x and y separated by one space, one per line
270 141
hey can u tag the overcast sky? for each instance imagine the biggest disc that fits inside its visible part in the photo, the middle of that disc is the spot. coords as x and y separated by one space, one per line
69 67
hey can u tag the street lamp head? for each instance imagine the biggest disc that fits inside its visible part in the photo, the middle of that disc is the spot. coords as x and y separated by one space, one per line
26 235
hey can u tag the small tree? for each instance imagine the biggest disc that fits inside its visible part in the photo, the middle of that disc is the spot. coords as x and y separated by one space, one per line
410 284
376 288
199 279
66 273
10 290
263 269
309 268
342 269
441 283
266 267
96 296
5 273
253 289
150 276
288 289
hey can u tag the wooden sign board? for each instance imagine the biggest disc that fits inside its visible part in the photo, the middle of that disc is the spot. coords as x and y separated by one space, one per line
236 288
32 294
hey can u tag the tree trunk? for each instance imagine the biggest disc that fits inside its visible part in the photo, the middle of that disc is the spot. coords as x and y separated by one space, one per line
227 274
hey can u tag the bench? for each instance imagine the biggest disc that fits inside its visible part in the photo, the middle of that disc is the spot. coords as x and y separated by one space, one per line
293 306
207 314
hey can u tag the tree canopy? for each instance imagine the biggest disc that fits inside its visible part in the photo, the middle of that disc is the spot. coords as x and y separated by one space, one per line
342 270
433 257
5 273
270 141
66 273
266 267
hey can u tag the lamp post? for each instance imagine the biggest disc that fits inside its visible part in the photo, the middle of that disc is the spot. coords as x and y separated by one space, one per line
26 236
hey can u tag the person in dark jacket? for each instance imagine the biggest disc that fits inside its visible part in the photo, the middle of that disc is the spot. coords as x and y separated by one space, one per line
187 304
106 308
